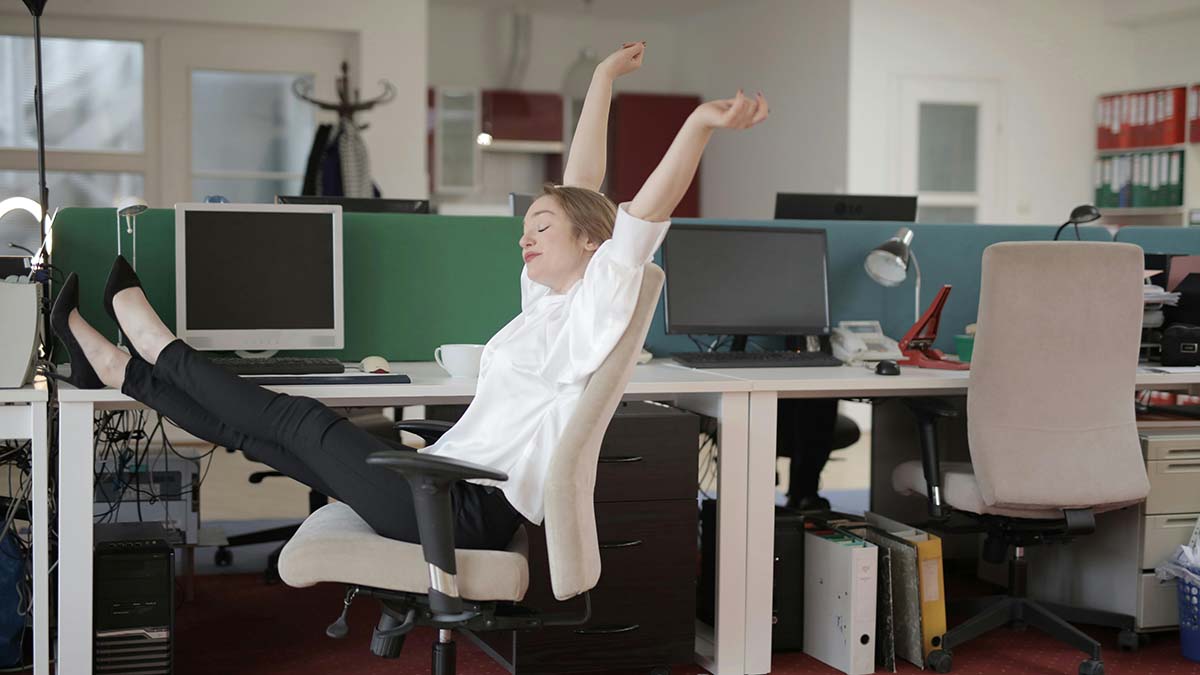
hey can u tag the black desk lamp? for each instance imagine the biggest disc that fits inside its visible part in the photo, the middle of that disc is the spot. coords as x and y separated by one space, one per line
1085 213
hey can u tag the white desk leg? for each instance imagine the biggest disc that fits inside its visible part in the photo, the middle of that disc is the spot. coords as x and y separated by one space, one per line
728 647
39 500
760 530
76 462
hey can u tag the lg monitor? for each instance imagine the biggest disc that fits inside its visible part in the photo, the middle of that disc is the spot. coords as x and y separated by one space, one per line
733 280
360 204
793 206
259 276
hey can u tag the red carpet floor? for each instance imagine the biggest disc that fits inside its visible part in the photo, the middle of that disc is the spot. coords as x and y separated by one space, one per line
238 625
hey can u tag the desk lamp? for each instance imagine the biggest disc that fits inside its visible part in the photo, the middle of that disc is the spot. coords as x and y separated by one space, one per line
887 264
1084 213
129 208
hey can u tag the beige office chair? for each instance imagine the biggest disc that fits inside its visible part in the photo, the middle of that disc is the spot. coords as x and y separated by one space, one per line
1050 420
432 584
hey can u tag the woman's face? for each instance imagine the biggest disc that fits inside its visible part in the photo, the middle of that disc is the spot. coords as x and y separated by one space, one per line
555 253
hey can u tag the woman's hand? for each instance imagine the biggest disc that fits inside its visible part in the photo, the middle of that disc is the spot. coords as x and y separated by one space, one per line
738 112
623 61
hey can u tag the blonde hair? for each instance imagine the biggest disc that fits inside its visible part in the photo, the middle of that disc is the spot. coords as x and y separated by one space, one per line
590 212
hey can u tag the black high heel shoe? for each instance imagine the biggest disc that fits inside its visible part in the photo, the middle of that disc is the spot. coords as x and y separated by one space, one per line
120 277
83 376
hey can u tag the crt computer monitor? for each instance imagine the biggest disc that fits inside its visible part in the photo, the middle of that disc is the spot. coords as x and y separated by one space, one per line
796 206
733 280
259 276
360 204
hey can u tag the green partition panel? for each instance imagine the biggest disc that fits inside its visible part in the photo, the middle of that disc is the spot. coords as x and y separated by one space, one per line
412 282
1184 240
947 254
416 281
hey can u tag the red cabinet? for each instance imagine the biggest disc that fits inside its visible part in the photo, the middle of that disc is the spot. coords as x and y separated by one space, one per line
641 129
510 115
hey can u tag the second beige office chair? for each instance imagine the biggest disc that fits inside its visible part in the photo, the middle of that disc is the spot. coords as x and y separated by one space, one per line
1050 417
432 584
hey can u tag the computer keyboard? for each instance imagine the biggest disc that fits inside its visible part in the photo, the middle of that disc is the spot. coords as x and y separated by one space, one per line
780 359
286 365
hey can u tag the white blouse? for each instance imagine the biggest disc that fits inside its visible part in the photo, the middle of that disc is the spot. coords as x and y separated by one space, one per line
533 371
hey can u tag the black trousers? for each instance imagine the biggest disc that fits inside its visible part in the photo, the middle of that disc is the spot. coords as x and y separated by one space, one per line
804 432
309 442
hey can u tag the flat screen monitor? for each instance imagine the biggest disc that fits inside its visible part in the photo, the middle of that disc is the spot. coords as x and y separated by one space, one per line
259 276
360 204
519 203
795 206
733 280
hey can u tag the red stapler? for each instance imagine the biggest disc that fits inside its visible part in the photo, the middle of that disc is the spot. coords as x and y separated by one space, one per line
917 343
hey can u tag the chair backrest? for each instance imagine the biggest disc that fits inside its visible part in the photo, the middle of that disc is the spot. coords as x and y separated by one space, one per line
1050 415
571 542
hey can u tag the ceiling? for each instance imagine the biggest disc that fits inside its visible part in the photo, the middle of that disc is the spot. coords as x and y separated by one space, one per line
653 10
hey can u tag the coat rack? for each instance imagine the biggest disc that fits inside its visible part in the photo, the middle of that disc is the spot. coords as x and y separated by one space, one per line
346 107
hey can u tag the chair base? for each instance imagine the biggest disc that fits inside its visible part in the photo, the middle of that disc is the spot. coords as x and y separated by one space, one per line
1007 611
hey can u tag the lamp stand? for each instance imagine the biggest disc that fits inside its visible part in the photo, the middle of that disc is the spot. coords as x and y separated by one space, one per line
917 304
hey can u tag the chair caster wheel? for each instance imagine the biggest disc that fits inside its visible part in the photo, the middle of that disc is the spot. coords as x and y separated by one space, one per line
1128 641
940 661
1091 667
223 557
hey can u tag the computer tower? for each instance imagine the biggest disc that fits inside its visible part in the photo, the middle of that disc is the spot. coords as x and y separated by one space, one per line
134 606
787 597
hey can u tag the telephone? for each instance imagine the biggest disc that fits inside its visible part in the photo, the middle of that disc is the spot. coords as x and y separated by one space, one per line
858 341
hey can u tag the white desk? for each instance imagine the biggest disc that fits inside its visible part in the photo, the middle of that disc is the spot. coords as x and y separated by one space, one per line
709 393
23 416
771 384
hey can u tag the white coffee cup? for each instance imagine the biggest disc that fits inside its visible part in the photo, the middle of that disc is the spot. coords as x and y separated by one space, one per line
459 360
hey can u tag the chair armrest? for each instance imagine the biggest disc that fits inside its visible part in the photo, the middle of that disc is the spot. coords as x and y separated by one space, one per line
428 430
431 477
928 411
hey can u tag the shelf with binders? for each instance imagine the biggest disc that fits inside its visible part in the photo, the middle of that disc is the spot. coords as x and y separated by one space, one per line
1141 180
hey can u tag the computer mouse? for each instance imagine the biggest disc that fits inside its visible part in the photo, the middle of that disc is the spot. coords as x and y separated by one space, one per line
887 367
375 364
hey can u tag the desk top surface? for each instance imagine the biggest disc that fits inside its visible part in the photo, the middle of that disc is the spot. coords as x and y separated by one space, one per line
661 376
33 393
429 381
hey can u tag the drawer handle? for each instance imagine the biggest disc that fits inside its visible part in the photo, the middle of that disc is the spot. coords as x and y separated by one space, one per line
1183 468
607 630
622 544
620 460
1180 522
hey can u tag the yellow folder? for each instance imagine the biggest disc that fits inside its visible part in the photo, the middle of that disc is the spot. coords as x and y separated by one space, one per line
930 580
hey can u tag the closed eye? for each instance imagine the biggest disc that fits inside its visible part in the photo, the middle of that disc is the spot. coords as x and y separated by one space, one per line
543 229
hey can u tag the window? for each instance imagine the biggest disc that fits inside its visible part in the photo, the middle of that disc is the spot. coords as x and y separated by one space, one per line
94 115
948 148
946 166
250 135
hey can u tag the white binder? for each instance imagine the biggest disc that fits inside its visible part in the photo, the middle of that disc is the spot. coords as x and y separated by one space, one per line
840 580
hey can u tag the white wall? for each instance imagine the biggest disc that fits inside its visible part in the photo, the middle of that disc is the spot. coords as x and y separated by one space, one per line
469 46
392 45
1168 52
796 52
1051 60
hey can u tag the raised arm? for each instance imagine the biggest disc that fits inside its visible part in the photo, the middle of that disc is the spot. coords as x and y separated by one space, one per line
666 186
587 159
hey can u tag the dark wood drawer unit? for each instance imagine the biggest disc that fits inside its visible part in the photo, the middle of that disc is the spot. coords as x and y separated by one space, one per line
644 606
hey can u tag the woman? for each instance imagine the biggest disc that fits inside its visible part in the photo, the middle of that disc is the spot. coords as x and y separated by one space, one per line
583 266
